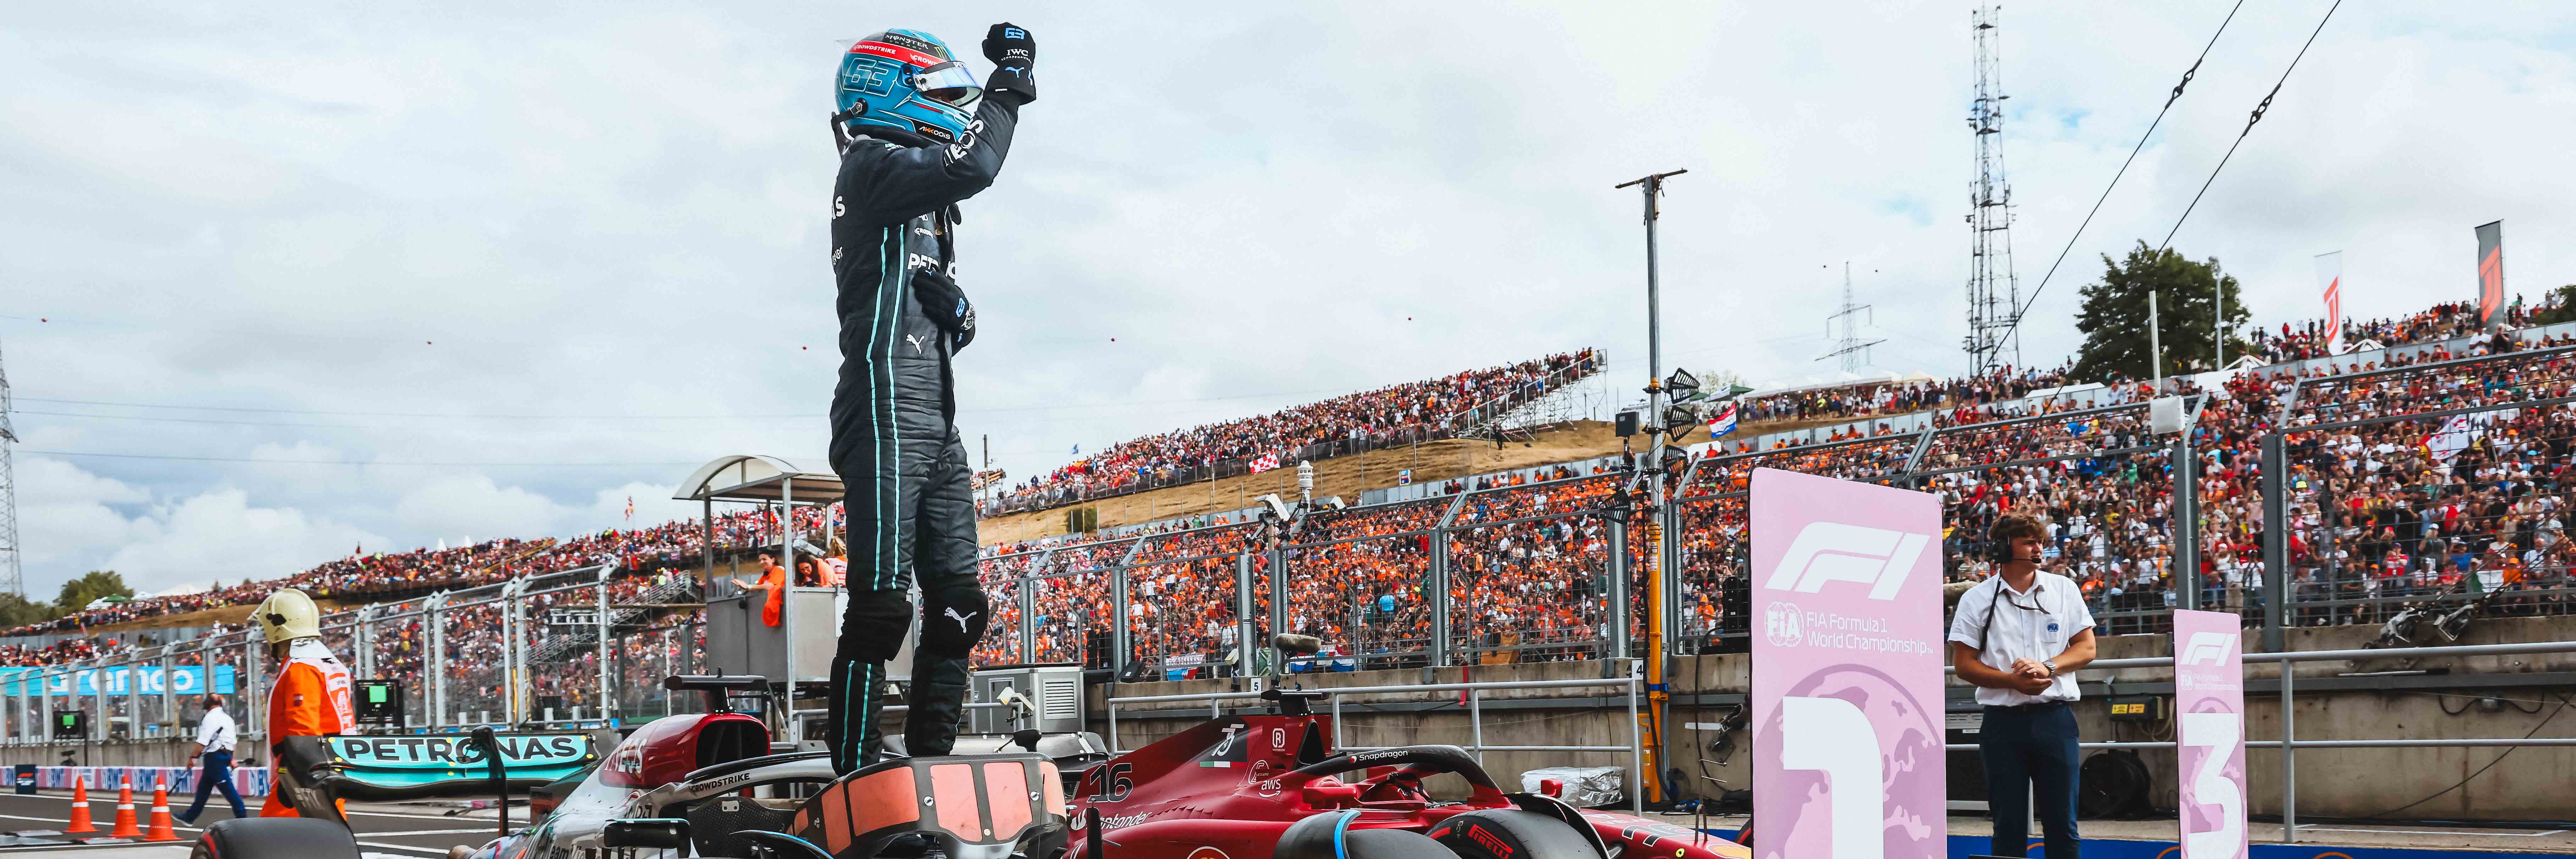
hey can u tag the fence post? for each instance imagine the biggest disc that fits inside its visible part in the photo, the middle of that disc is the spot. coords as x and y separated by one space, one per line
2276 540
1028 612
1438 601
1118 637
512 622
434 691
2289 762
608 691
2186 520
1619 573
170 699
1278 619
254 704
1243 623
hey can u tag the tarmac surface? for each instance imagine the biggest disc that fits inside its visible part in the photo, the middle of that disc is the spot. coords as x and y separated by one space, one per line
385 830
2413 836
407 830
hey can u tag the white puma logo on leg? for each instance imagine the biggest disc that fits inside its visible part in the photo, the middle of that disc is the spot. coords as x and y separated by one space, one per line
915 340
961 619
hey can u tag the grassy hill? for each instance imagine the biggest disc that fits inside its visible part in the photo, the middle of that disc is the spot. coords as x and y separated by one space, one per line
1344 476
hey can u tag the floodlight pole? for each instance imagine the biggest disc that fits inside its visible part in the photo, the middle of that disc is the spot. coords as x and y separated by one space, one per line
1650 187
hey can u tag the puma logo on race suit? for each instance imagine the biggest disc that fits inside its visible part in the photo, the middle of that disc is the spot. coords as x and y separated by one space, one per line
1835 552
915 340
961 619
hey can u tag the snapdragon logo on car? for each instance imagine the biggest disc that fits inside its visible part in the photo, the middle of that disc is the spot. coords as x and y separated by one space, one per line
1846 671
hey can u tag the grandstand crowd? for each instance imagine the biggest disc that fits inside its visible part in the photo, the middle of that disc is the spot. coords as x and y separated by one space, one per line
2378 517
1414 411
2380 514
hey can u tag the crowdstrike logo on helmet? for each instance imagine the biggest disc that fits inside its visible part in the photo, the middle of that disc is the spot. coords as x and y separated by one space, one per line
905 80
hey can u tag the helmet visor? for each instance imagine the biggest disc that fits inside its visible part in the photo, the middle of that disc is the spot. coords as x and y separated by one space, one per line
947 83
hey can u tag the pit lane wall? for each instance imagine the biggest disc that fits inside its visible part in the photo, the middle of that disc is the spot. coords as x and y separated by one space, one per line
2331 704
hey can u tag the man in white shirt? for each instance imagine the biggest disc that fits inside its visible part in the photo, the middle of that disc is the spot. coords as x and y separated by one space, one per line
2019 637
216 735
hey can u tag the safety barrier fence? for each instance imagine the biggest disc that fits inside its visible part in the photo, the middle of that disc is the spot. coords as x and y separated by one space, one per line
578 648
2359 471
1631 685
2368 468
2290 745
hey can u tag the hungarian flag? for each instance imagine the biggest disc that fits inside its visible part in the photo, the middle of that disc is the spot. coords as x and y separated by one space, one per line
1265 462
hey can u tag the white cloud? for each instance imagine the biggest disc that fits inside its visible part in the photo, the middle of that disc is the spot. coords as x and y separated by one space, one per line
220 536
604 214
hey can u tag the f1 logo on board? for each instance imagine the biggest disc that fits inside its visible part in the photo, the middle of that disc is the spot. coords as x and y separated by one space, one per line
2209 648
1835 552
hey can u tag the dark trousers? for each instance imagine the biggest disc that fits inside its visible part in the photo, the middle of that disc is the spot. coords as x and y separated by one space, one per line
911 521
2030 753
215 771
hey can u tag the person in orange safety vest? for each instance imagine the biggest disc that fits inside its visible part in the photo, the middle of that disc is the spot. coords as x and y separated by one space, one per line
309 695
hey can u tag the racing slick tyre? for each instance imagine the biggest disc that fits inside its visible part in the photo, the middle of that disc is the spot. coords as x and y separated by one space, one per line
1499 833
1315 837
257 837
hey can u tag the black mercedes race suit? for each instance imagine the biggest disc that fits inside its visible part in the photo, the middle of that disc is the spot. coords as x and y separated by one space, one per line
911 515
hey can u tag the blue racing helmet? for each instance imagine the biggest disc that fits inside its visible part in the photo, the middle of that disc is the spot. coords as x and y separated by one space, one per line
906 80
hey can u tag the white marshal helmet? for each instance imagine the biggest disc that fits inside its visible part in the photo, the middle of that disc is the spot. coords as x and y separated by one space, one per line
288 615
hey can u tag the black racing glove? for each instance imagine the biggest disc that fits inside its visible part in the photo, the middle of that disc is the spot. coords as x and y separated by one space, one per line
1013 54
946 305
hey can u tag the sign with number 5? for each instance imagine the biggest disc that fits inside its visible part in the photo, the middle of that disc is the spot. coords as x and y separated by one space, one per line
2209 706
1847 760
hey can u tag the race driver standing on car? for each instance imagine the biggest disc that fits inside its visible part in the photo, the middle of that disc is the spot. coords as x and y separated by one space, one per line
916 136
309 695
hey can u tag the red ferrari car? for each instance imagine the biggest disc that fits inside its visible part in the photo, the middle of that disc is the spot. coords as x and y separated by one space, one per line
1266 787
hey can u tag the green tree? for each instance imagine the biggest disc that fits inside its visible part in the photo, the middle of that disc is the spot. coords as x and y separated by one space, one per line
17 611
2563 311
2114 317
79 593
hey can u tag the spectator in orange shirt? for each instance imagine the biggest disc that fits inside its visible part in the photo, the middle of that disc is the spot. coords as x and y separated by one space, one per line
773 580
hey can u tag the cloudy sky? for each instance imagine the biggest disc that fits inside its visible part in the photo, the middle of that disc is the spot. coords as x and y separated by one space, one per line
283 280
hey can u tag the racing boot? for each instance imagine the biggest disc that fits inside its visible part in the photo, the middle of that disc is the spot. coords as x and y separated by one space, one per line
938 698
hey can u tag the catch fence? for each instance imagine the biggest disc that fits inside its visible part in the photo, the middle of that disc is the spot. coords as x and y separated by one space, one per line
2415 499
580 648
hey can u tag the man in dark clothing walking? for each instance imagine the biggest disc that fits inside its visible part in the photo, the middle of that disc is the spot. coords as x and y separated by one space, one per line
916 136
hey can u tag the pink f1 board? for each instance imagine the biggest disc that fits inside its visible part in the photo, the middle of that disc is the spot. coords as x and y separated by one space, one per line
1846 671
2209 716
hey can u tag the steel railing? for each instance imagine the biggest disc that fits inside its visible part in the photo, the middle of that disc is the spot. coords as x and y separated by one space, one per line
2290 745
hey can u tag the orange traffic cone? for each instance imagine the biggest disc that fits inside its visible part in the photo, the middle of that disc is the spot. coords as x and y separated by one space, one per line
125 827
160 829
80 807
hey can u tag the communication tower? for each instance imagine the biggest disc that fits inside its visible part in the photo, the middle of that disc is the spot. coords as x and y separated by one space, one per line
1849 347
12 579
1994 291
